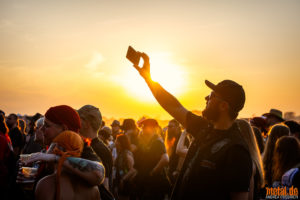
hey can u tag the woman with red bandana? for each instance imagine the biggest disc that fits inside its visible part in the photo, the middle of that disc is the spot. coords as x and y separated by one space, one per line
66 144
57 120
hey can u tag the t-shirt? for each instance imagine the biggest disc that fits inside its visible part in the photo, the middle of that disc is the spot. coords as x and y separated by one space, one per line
147 157
16 137
218 163
31 146
89 154
104 154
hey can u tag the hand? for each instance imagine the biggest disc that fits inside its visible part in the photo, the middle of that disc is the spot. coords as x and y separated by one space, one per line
41 157
145 70
21 178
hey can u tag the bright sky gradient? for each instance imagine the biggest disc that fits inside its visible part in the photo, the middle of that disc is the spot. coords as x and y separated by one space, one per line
73 52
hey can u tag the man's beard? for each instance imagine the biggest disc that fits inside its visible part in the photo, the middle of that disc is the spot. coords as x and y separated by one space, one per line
211 114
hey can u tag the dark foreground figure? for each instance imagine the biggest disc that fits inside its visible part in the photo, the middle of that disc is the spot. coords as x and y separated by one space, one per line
218 164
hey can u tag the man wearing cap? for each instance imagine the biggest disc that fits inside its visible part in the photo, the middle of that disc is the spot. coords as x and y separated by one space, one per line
218 164
91 120
150 160
116 128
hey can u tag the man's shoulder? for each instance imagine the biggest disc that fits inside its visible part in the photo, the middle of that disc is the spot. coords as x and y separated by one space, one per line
15 130
238 153
89 154
195 123
98 145
237 140
96 142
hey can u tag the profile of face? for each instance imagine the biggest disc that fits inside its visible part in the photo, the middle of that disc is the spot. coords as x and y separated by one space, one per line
84 127
51 130
39 135
212 109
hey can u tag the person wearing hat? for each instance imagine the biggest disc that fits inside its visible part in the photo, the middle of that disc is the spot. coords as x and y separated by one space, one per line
91 120
116 128
218 164
273 117
150 160
57 120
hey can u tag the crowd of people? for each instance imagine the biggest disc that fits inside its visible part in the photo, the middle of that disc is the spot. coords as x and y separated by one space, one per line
71 154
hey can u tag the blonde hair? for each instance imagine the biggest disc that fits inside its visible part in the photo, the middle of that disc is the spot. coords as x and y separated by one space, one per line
276 132
247 134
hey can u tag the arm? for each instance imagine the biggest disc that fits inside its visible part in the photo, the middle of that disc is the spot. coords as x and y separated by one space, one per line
131 170
181 149
91 171
164 160
164 98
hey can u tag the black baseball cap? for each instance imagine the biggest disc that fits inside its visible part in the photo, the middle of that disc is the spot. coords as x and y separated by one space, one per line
231 92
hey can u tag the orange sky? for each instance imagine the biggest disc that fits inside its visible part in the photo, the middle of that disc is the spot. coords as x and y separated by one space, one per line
73 52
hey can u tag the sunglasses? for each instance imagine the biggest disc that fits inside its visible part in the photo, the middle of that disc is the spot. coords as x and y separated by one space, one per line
214 95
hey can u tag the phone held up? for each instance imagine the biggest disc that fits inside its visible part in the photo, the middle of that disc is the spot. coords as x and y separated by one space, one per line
133 56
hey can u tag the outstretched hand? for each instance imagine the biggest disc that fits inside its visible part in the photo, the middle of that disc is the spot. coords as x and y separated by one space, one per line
145 70
45 157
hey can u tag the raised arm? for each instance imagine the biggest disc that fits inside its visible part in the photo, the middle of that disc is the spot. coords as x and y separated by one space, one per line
164 98
181 149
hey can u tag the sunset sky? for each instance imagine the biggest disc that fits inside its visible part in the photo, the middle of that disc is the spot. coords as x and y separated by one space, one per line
73 52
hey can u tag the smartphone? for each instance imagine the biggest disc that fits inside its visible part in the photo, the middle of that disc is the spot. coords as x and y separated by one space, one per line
133 56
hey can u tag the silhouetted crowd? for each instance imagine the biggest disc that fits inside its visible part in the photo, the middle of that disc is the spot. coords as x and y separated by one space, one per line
50 156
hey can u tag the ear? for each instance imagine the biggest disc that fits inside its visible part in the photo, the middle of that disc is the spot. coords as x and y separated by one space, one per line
224 106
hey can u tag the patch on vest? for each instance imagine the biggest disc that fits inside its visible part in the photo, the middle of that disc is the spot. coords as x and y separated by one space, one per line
207 164
216 147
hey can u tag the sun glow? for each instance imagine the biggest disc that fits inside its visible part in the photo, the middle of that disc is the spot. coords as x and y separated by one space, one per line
163 71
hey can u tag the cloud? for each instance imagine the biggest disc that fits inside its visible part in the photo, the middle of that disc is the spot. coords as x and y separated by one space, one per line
95 62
